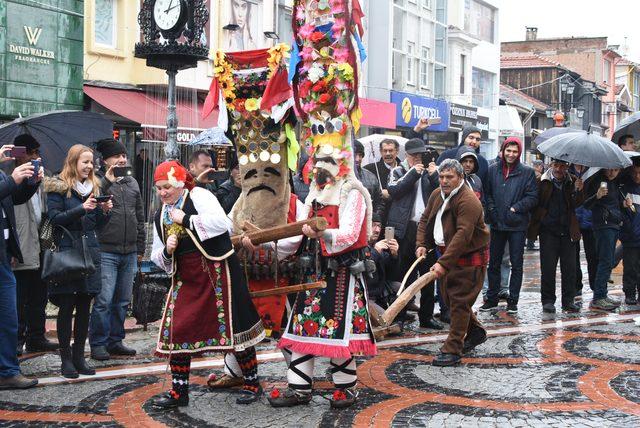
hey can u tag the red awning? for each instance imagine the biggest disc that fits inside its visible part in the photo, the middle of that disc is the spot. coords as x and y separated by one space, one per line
378 113
148 109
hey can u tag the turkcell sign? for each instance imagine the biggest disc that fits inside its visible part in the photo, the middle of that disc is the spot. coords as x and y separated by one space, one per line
411 108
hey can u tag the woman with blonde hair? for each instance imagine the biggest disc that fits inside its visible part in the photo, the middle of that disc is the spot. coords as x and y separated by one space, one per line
72 204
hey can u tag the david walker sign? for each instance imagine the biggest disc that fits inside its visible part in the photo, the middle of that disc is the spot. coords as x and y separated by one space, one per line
411 108
30 52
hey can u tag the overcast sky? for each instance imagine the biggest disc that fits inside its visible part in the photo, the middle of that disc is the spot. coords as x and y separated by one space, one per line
615 19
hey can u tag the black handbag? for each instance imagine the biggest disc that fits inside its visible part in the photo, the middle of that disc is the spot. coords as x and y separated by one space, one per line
149 296
67 264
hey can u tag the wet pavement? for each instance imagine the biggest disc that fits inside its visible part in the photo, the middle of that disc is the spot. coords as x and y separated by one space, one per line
535 370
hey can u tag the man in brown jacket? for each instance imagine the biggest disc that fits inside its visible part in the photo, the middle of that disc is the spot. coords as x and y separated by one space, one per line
554 221
453 221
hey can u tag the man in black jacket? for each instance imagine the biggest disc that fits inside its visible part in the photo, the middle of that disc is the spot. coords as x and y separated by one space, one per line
230 190
368 179
122 245
471 137
15 189
510 194
410 186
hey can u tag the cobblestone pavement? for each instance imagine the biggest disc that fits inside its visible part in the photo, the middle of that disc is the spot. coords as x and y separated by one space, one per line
538 370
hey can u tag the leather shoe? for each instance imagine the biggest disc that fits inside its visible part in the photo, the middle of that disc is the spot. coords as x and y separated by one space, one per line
549 308
446 360
17 382
288 398
431 323
224 381
168 401
42 345
120 349
473 339
571 307
100 353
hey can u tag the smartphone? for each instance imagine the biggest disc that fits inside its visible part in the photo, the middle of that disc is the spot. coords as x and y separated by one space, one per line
603 184
103 198
36 170
434 120
122 171
17 152
431 155
389 233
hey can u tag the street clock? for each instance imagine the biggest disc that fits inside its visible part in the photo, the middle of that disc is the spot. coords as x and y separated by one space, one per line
170 16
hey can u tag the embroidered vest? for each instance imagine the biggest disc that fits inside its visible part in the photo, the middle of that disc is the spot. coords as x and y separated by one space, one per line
218 247
331 214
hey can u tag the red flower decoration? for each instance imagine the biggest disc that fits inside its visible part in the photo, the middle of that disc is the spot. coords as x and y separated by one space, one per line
324 98
275 393
315 308
311 327
360 323
320 86
305 88
316 36
339 395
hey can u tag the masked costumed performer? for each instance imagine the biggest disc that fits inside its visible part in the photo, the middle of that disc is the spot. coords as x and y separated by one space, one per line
204 311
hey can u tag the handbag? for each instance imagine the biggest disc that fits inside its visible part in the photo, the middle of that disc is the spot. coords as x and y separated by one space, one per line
61 265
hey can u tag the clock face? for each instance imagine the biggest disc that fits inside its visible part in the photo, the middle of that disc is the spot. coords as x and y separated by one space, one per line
166 13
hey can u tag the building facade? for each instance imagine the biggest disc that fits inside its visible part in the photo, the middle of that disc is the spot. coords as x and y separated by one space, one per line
41 57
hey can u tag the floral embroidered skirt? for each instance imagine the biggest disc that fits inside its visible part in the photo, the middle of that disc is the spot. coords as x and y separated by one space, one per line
331 322
208 309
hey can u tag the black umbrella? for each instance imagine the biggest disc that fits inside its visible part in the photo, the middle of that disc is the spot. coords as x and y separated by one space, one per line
630 125
585 148
57 131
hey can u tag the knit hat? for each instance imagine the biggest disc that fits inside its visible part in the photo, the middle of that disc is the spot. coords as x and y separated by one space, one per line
174 173
110 147
469 130
358 147
26 140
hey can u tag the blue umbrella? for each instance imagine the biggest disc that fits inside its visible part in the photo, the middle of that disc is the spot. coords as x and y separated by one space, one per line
585 148
57 131
551 132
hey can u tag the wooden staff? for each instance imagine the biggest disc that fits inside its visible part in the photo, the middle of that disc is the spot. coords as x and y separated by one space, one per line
288 289
392 312
406 275
276 233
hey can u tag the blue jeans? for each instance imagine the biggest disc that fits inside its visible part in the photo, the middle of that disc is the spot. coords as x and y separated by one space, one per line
499 240
9 365
110 306
605 249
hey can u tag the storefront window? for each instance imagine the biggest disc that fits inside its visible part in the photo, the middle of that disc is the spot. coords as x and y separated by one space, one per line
105 23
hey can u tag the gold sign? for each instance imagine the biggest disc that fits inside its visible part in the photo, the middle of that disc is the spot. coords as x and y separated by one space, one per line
32 53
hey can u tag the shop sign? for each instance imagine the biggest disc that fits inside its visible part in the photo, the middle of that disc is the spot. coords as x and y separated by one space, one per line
462 116
411 108
31 52
483 125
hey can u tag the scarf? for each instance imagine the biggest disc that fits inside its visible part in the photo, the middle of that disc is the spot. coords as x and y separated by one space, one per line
85 188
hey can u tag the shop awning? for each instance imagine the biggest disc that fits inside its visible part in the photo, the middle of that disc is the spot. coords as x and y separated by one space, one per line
150 110
379 114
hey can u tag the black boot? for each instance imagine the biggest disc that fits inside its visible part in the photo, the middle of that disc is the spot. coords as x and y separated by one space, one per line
171 400
68 370
80 362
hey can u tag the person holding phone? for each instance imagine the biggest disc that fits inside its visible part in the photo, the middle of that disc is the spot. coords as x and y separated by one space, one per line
122 246
15 189
71 203
471 137
31 290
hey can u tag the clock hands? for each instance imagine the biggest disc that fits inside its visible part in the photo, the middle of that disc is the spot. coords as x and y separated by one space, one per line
167 11
169 8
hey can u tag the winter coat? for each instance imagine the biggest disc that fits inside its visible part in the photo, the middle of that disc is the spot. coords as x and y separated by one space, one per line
630 231
370 182
571 199
402 190
12 194
483 165
381 172
607 211
227 195
463 226
69 213
27 226
472 179
124 233
517 191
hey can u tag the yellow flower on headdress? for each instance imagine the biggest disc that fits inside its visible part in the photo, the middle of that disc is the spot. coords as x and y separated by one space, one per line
252 104
276 56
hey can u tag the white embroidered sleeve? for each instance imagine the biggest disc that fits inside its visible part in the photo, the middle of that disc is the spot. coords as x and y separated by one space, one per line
211 219
157 254
288 246
352 216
